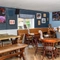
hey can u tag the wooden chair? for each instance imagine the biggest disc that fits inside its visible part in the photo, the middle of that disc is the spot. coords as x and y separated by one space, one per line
58 49
22 38
38 44
52 33
49 49
29 39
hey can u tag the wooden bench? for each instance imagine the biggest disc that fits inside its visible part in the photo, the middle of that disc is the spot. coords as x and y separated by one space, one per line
9 49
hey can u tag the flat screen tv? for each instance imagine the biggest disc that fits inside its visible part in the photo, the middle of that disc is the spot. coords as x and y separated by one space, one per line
2 15
56 16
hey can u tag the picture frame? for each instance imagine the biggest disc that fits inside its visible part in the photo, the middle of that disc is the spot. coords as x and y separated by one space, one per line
56 16
11 22
39 22
38 15
44 14
43 20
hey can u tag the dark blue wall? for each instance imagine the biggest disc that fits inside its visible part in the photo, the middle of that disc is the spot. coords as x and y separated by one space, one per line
10 15
23 11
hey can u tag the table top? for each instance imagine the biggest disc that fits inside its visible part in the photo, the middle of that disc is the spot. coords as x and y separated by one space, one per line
12 47
54 40
2 37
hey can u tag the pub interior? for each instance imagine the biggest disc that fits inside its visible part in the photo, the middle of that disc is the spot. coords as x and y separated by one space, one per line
29 34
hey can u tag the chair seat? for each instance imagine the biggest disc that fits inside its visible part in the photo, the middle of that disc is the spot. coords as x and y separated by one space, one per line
46 35
58 46
50 48
40 45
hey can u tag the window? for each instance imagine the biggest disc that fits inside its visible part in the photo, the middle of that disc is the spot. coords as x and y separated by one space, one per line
28 21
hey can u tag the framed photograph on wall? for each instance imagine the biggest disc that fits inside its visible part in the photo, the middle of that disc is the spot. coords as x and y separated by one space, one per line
39 23
43 20
44 14
38 15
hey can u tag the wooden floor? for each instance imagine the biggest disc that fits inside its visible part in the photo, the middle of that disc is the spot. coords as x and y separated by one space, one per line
29 55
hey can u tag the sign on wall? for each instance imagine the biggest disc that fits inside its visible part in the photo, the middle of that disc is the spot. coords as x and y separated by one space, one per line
11 22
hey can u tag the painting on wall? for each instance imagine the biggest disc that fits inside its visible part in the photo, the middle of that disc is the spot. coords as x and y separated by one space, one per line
38 15
56 16
43 20
2 15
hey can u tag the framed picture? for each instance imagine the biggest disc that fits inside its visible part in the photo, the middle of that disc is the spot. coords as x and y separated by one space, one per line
2 15
39 23
38 15
56 16
43 20
11 22
44 15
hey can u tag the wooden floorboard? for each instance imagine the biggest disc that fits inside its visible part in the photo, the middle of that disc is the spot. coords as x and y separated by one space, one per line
29 55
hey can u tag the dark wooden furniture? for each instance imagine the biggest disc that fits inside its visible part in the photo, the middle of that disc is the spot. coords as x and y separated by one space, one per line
13 38
34 30
7 49
58 49
38 44
52 33
49 47
29 39
22 38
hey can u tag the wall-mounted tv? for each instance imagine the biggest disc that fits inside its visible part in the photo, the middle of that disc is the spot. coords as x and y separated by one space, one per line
56 16
2 15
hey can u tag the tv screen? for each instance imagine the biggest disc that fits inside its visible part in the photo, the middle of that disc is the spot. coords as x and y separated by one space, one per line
56 16
2 15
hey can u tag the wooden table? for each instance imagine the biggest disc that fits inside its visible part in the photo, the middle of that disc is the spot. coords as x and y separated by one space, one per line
49 46
11 37
9 49
3 37
56 40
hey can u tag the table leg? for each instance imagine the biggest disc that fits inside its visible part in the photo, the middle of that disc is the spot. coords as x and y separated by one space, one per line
14 41
22 55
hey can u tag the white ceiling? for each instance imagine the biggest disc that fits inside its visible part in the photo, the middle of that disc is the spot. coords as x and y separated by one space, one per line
40 5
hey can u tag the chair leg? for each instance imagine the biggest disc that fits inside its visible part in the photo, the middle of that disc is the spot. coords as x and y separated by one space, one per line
32 42
56 52
52 56
2 44
36 50
43 55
